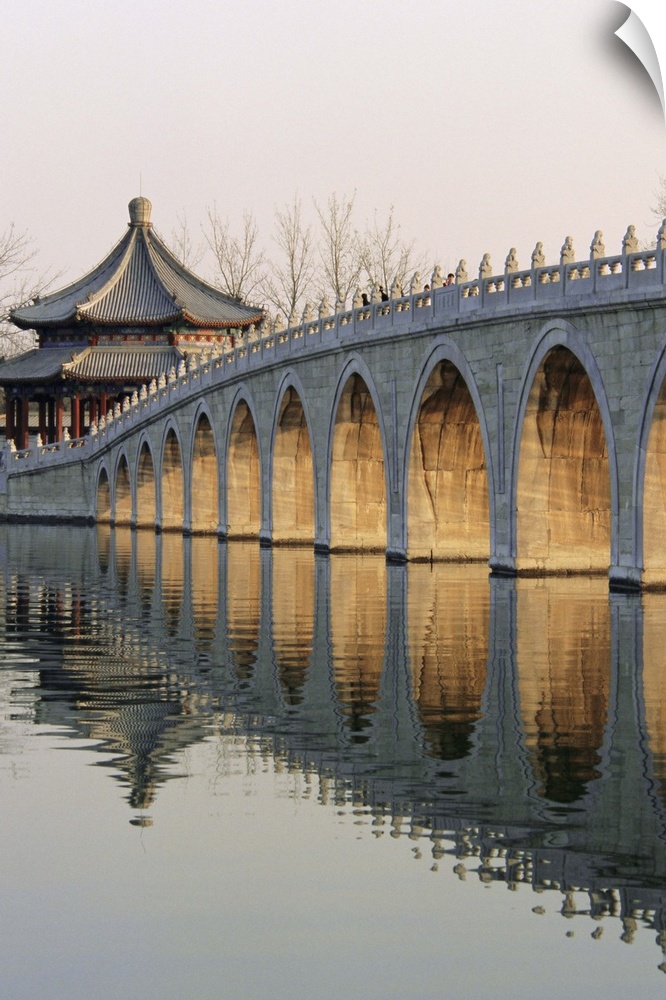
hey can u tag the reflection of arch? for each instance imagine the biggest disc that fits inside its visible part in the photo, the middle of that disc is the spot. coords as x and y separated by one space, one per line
173 499
243 585
146 555
243 474
292 472
122 492
103 502
104 546
563 657
172 580
293 612
205 589
122 547
449 640
204 478
448 497
145 488
650 673
358 616
650 480
564 467
357 464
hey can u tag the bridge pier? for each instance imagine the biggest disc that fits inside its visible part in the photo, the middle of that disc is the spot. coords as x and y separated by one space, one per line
625 579
502 567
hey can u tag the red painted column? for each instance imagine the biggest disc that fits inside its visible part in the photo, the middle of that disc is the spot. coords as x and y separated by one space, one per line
58 419
76 417
24 422
42 419
50 421
10 409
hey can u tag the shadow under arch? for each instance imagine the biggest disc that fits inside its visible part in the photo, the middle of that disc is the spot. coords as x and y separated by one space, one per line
122 508
448 492
564 480
291 468
357 464
146 499
204 477
649 487
103 496
243 470
172 491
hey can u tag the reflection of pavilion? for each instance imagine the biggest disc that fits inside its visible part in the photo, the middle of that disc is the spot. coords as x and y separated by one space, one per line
101 675
125 696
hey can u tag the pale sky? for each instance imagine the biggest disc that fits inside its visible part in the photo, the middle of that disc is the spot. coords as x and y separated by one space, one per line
488 125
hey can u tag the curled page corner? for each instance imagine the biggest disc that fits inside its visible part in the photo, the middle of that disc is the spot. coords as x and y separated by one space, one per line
635 33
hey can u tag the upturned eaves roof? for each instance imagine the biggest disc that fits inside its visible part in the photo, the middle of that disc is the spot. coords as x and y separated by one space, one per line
38 365
139 283
122 364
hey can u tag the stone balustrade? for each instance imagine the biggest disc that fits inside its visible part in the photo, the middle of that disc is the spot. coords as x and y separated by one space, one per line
624 277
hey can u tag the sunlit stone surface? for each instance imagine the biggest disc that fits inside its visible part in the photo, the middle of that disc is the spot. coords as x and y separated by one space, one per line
293 475
448 480
563 497
358 481
654 560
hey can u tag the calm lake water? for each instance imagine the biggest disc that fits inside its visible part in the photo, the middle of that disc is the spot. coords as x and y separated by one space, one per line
228 772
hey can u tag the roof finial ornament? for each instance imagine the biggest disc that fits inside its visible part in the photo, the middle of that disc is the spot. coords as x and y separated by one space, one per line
139 211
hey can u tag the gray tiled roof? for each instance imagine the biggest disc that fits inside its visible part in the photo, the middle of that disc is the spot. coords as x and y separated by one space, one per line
40 364
122 364
139 283
130 363
133 296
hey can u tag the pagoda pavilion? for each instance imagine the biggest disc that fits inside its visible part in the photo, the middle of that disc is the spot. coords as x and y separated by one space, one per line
138 314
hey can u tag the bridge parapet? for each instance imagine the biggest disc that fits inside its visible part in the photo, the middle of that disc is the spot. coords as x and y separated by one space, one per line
640 271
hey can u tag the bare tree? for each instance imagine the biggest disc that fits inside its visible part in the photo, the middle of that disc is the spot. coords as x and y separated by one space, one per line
19 283
659 208
290 279
339 248
239 262
182 246
658 212
386 257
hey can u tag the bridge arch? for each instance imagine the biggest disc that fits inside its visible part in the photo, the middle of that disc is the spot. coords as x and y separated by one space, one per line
291 472
204 474
448 483
243 505
122 493
144 477
649 488
103 495
357 464
564 479
171 505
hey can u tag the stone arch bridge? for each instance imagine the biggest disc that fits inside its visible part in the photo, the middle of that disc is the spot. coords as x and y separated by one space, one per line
518 420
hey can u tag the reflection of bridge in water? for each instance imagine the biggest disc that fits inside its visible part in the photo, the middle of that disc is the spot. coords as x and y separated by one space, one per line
515 725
